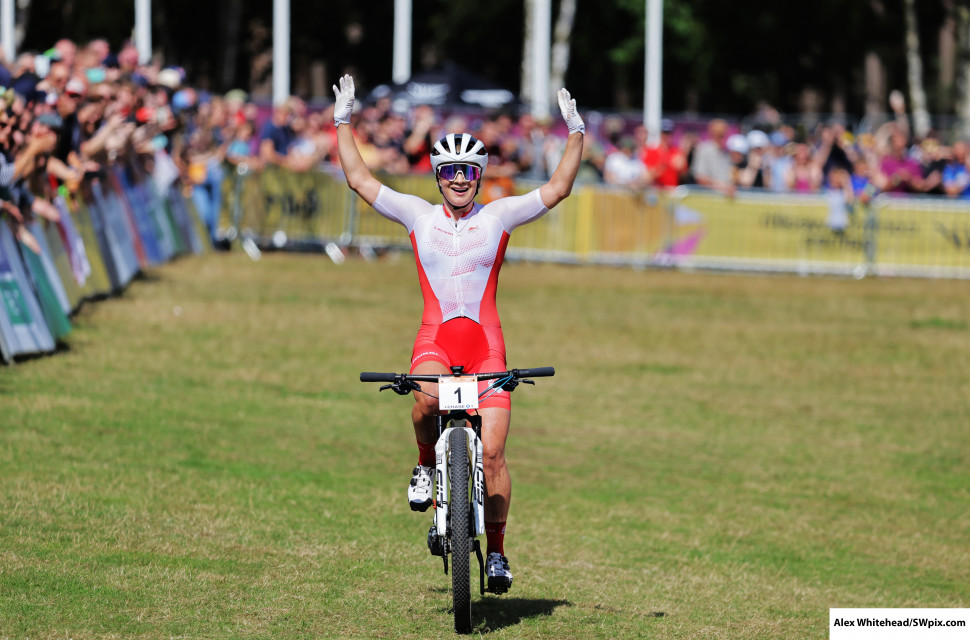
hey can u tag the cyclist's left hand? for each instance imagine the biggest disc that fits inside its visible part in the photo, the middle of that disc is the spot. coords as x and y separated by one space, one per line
567 105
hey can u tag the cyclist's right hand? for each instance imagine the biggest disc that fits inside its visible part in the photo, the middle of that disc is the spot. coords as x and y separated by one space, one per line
344 104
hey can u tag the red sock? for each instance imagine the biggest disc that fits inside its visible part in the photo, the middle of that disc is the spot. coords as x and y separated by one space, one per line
495 537
426 456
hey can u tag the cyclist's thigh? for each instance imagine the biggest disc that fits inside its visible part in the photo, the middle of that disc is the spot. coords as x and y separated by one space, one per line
428 368
495 429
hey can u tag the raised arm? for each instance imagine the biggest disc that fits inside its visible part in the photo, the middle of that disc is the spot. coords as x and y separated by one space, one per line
359 177
561 182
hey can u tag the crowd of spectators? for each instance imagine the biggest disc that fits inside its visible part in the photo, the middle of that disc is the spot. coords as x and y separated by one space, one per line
828 158
71 111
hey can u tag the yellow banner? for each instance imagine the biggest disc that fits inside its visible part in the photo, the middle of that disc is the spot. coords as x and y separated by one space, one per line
923 233
752 227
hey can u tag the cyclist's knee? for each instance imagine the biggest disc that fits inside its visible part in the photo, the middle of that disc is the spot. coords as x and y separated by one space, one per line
493 457
425 406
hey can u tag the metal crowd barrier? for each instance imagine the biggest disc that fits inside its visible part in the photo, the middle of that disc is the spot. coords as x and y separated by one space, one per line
688 227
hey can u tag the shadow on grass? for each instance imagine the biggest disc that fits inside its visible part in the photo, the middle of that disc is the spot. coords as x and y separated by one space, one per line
492 614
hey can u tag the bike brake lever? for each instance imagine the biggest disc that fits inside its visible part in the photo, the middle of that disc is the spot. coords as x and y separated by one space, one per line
526 381
403 387
386 387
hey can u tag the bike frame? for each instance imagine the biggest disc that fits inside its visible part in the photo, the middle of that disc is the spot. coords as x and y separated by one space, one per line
443 455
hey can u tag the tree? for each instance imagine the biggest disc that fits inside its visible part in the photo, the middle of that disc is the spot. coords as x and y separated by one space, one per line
561 36
914 64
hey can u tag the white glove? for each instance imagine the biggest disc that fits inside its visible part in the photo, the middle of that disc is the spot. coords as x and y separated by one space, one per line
568 107
344 104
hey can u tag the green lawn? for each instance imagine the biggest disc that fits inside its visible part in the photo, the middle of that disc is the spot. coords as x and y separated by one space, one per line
718 456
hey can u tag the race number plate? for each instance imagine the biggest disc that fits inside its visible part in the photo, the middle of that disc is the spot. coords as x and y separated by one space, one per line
459 393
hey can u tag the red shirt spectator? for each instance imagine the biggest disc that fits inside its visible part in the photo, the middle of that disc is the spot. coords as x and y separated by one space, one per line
665 161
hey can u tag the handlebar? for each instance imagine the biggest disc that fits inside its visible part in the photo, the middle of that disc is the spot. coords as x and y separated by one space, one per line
370 376
516 374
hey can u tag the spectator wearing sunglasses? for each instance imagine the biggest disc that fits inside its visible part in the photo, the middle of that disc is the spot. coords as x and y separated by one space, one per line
65 163
459 246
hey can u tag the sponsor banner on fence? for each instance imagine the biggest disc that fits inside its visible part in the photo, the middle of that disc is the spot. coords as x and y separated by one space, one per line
54 315
767 229
694 227
928 236
37 228
96 280
117 231
22 326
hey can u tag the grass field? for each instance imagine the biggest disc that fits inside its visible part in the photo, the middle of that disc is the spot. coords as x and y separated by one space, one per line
717 457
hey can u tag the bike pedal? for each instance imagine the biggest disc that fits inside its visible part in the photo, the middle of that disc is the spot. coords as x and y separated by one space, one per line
435 543
498 587
420 507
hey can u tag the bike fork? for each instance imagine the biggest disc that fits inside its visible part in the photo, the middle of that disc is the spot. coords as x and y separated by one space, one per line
481 566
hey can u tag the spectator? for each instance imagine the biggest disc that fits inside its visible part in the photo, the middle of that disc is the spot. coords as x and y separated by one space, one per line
712 164
737 146
804 174
932 162
863 188
688 146
592 163
841 198
831 153
498 182
665 162
624 168
389 138
755 173
956 176
241 145
65 164
420 138
305 150
900 173
276 136
778 160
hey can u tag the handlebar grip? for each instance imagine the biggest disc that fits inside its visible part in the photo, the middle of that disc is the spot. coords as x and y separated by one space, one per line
370 376
538 372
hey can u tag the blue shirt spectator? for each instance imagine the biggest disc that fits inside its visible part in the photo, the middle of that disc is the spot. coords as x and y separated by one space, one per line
956 177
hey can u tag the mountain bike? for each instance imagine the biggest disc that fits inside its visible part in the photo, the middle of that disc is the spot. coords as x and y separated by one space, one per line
459 503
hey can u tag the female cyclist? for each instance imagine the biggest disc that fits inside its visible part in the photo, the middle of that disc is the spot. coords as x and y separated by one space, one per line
459 246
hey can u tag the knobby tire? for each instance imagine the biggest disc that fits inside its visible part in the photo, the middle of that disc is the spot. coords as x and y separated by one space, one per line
460 542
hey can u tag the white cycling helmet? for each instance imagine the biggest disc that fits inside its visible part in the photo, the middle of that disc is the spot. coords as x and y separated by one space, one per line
455 148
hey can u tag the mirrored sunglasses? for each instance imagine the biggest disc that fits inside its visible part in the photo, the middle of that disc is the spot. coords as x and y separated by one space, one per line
469 171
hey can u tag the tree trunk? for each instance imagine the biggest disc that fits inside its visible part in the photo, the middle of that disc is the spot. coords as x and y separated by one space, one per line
914 66
525 90
232 12
963 69
562 33
875 86
947 55
20 26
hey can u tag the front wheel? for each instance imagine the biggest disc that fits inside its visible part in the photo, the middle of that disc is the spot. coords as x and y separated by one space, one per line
458 471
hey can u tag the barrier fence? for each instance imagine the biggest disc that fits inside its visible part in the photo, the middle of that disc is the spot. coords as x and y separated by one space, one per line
687 227
117 224
110 229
